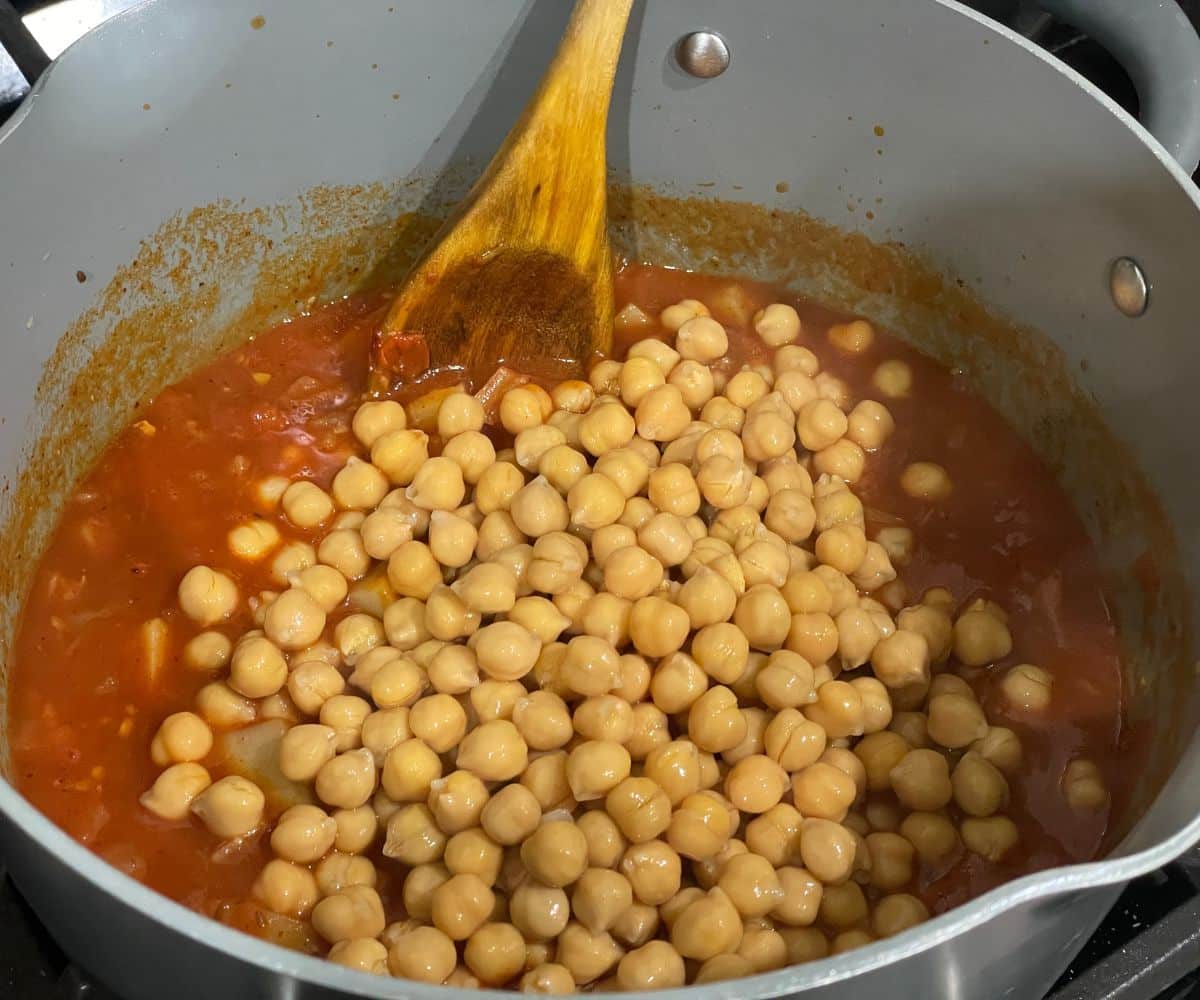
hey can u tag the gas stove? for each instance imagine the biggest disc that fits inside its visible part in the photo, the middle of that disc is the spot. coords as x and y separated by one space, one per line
1148 947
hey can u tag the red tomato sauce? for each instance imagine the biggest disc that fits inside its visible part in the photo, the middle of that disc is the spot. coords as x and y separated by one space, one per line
164 495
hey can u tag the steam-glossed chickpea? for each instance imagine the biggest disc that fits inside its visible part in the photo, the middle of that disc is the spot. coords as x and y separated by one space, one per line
207 596
701 339
777 324
1027 688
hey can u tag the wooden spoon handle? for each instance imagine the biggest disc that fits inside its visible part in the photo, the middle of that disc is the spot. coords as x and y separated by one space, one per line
545 190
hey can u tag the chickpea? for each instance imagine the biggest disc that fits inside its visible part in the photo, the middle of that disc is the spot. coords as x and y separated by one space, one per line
423 954
755 783
655 965
409 770
591 667
505 651
356 829
701 338
207 596
654 871
231 807
473 852
777 324
572 395
814 636
752 885
991 838
548 978
891 863
604 717
651 729
674 316
286 888
901 659
701 826
981 638
304 750
763 615
303 834
879 753
595 501
827 849
921 780
1082 785
932 835
714 722
543 720
173 792
605 841
799 897
1027 688
824 791
708 599
586 954
600 896
345 714
511 815
595 767
555 853
522 408
607 426
219 705
675 768
632 573
786 681
306 505
182 737
495 953
363 954
374 419
383 730
208 651
956 720
708 927
843 906
640 809
694 382
540 912
662 413
495 751
638 376
671 488
926 481
722 967
854 337
819 424
348 780
546 777
636 924
413 837
793 741
439 720
979 787
838 709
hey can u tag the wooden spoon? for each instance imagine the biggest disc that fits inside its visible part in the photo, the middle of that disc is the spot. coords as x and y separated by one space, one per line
521 272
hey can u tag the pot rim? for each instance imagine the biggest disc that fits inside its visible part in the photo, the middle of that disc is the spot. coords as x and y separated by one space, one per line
275 959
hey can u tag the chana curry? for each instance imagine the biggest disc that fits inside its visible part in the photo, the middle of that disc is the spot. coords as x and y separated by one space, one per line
767 640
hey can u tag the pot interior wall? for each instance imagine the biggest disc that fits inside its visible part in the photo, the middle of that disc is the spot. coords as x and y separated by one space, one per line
212 276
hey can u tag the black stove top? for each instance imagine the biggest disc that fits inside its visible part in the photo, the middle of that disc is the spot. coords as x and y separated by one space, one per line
1148 947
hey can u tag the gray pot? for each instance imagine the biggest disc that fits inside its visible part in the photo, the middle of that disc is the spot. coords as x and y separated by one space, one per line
995 164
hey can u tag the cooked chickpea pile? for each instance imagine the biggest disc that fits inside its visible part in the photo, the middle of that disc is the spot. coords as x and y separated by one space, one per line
635 702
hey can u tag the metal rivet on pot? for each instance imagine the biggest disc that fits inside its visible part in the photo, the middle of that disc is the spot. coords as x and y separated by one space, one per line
1128 285
703 54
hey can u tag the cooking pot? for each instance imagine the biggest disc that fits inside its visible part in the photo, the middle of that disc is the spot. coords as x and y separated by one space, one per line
189 171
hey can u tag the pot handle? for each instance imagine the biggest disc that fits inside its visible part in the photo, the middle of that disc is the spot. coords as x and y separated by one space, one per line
19 43
1158 47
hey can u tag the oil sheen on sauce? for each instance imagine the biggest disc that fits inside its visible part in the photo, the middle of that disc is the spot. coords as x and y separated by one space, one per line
83 705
